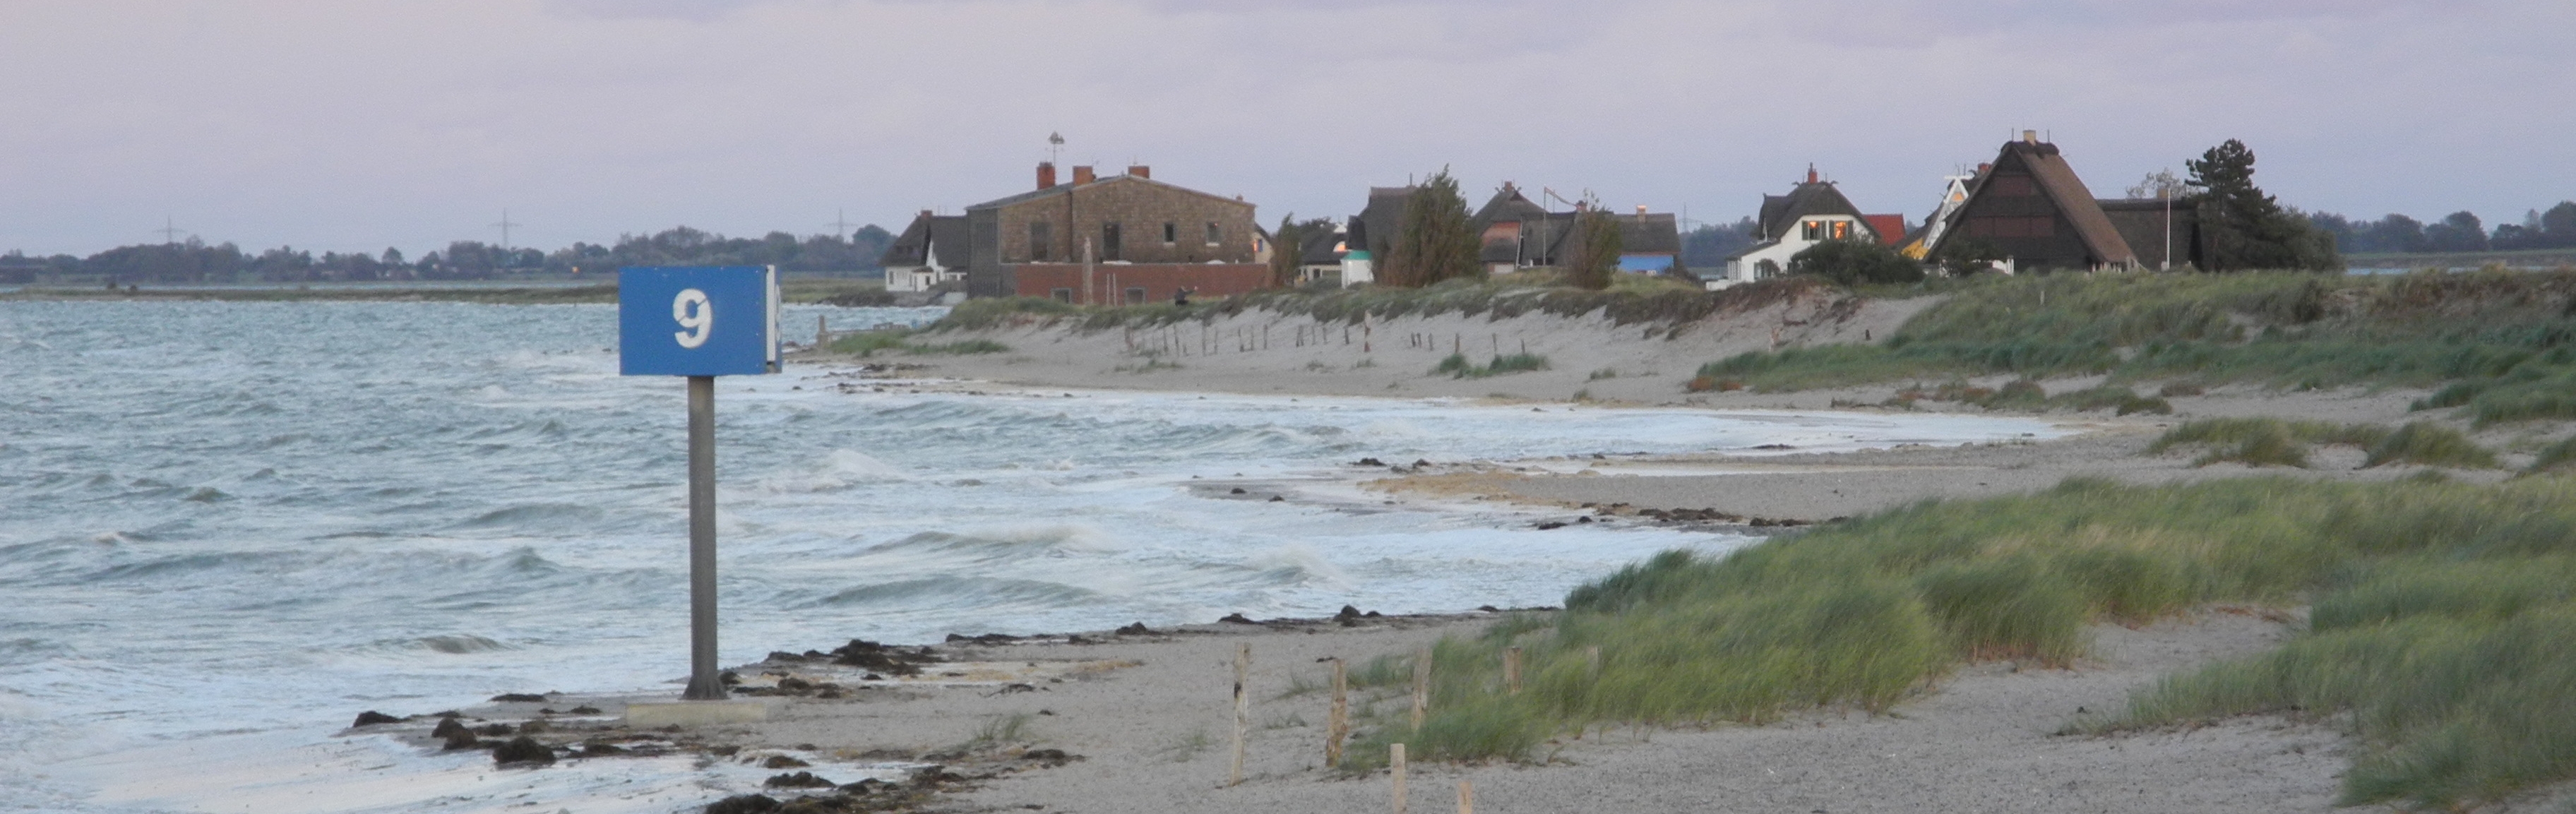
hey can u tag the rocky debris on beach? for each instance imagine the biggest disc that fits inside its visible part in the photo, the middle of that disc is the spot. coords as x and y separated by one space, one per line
372 717
1693 516
878 658
1137 629
523 749
519 697
799 780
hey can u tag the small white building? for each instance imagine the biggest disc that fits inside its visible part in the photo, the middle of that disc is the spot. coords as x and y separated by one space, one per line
1812 212
929 252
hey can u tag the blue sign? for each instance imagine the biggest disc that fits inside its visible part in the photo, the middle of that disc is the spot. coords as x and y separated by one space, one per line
697 320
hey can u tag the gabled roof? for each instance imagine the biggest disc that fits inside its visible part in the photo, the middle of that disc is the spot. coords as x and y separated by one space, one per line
913 247
1384 215
1507 204
2058 183
1064 189
2057 179
1890 228
1650 233
1806 200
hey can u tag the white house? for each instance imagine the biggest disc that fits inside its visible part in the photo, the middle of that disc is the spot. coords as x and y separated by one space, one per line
929 252
1812 212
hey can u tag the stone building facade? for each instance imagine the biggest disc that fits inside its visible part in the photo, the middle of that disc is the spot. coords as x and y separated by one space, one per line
1123 219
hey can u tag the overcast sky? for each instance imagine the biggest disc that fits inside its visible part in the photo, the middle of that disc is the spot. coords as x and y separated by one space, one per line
354 126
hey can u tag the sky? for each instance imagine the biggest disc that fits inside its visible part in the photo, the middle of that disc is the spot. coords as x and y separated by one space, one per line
341 126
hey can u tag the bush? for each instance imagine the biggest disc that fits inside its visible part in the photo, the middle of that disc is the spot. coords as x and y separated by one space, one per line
1855 262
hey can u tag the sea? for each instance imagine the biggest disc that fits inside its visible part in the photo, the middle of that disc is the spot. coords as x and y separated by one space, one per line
227 528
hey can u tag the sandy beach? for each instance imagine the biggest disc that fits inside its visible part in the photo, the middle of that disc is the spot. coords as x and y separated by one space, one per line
1142 720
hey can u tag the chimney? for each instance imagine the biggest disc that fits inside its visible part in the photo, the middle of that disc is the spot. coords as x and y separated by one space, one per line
1140 171
1983 168
1811 173
1046 175
1084 175
1641 211
2030 137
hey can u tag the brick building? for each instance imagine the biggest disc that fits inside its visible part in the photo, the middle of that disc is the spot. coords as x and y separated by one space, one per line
1122 220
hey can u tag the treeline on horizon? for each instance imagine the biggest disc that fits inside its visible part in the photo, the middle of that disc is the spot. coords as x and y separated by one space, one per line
195 261
2460 231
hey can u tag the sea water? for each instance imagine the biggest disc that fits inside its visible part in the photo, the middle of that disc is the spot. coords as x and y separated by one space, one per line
226 528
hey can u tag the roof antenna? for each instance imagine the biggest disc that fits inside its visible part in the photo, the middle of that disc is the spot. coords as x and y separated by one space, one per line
1055 146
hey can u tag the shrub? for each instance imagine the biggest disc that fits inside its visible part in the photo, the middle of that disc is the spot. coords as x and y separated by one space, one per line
1854 262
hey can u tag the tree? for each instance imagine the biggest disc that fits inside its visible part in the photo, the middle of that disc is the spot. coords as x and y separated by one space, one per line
1288 247
2242 227
1596 242
1856 261
1435 240
2161 184
2458 232
2558 225
1709 245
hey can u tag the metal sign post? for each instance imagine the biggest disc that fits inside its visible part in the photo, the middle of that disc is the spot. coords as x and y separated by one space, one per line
700 322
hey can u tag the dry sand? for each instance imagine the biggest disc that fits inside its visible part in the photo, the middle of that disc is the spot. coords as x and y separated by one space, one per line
1144 724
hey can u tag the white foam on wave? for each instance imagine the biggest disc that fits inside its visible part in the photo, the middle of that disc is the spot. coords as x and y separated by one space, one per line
837 469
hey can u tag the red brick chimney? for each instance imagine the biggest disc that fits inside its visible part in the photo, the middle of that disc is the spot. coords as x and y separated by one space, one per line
1084 175
1140 171
1811 173
1046 175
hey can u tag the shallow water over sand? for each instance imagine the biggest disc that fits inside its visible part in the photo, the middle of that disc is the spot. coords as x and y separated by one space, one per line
225 524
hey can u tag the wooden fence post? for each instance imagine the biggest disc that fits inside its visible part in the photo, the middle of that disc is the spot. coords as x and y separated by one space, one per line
1395 769
1338 726
1242 709
1421 686
1466 798
1512 670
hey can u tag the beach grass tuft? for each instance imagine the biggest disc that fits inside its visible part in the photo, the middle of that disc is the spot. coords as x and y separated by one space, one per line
2441 613
2500 344
2430 444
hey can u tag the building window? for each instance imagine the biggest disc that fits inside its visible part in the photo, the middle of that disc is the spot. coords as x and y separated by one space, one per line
1136 296
1215 236
1041 241
1063 295
1109 249
1171 233
1842 230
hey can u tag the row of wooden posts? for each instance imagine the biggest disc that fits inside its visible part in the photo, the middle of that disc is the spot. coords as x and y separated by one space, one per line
1337 727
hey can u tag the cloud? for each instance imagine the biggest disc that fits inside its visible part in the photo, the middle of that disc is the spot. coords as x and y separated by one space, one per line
353 127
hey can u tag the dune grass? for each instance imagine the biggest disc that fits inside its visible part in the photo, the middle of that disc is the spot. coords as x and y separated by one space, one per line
2505 341
2436 605
1631 299
1458 367
868 343
2266 441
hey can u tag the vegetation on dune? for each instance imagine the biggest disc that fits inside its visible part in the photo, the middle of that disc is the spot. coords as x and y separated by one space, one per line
2024 394
2507 340
1631 299
868 343
2264 441
2441 613
1458 367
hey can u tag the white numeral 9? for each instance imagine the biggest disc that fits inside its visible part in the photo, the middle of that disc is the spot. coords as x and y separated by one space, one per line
696 316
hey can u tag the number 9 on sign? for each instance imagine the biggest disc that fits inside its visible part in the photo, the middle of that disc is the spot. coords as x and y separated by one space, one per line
667 315
697 319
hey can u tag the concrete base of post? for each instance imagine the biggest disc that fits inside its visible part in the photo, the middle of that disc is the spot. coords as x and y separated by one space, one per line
696 713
